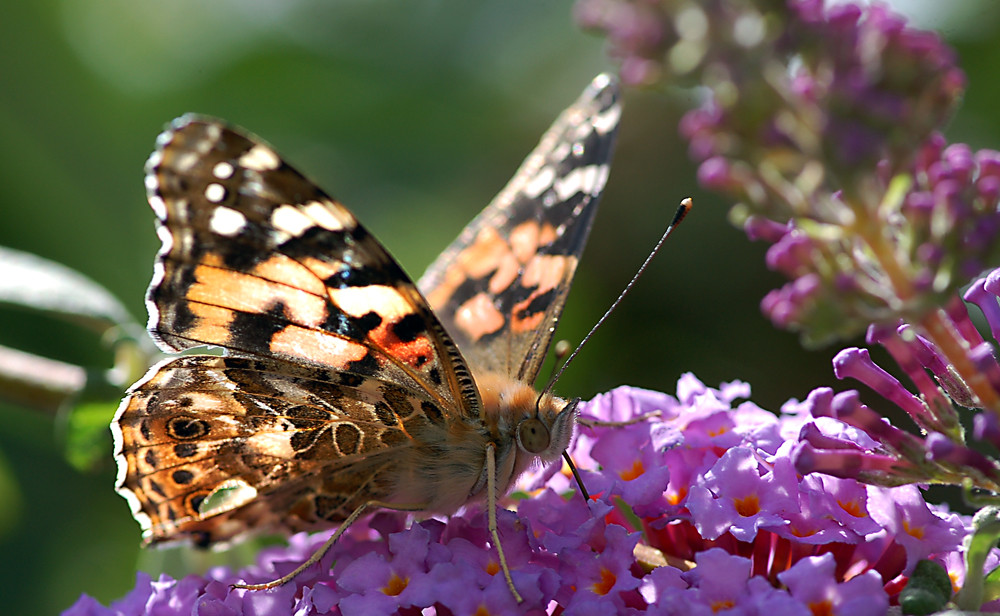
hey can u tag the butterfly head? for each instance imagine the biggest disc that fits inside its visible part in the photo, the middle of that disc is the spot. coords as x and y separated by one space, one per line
543 431
547 433
539 426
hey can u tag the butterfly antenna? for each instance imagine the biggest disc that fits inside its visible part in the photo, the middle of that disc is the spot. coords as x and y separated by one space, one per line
682 211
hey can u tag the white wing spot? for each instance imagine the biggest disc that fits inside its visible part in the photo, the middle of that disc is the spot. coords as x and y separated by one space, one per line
223 170
561 151
588 180
227 221
290 220
605 122
215 193
329 216
260 158
540 183
358 301
164 138
185 162
166 242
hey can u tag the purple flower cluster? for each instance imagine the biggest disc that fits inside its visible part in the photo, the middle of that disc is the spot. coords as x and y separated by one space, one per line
936 365
824 128
823 123
822 163
697 511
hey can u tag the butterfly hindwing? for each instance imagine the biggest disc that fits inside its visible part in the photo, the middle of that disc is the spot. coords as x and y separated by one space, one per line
500 287
258 260
213 446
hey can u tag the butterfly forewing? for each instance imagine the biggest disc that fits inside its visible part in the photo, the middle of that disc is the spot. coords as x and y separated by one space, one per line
500 287
258 260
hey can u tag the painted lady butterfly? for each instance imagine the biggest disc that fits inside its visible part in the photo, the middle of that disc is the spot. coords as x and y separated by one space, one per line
344 385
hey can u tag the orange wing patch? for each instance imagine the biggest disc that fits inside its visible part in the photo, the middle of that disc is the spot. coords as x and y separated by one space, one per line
479 317
414 351
543 275
219 286
310 345
506 264
528 236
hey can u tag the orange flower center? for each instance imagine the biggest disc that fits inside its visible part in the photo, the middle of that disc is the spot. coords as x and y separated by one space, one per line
676 498
852 508
636 471
606 583
821 608
395 586
747 506
802 532
917 532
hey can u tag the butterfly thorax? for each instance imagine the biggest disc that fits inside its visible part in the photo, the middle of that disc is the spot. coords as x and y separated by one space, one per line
449 467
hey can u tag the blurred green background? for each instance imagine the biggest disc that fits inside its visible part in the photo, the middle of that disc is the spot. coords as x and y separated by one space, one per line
413 114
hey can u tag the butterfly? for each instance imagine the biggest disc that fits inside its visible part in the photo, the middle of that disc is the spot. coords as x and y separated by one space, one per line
343 386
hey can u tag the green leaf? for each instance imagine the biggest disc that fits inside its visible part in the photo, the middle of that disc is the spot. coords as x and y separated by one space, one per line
88 437
12 506
29 281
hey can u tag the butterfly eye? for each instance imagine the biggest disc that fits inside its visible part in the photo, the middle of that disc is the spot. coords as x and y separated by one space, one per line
533 436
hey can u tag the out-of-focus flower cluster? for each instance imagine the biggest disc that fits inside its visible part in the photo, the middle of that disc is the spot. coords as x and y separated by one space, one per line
931 233
696 511
821 122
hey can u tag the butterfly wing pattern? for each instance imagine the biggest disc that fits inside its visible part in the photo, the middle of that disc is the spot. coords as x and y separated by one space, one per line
501 285
340 384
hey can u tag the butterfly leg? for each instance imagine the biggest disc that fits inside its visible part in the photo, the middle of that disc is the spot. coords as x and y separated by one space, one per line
323 549
491 473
